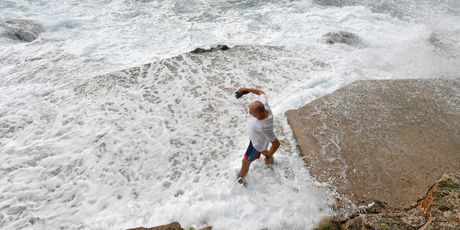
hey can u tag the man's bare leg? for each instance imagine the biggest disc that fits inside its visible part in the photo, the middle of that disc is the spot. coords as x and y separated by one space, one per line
244 168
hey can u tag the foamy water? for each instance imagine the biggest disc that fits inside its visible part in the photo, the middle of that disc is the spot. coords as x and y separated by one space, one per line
84 152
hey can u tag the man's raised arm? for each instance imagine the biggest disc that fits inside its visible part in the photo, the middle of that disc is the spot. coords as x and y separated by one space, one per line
252 90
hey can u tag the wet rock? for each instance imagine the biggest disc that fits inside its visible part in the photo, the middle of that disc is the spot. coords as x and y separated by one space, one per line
444 209
376 207
188 66
386 140
201 50
397 221
171 226
329 223
342 37
21 30
440 209
383 145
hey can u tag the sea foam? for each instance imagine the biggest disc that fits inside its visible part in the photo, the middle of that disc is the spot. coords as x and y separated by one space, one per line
82 148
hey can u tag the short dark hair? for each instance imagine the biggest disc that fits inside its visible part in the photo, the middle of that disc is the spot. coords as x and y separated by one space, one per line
260 108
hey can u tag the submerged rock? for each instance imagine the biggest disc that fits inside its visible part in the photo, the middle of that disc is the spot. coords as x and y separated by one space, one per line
166 73
171 226
342 37
201 50
22 30
387 140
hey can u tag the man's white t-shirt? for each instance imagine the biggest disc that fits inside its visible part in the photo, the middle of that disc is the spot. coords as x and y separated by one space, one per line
261 131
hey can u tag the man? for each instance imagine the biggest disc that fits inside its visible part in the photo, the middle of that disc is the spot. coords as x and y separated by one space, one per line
260 132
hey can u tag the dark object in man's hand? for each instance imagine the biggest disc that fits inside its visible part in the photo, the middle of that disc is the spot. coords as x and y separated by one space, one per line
239 94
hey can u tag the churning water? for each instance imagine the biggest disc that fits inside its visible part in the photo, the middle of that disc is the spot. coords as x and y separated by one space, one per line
84 149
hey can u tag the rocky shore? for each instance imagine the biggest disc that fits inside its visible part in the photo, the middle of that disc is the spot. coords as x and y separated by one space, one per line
382 145
170 226
439 209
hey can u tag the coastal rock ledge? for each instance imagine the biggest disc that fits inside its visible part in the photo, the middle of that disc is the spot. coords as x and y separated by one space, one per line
385 140
171 226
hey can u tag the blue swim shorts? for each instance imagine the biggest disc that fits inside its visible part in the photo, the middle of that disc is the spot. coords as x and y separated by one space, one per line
251 153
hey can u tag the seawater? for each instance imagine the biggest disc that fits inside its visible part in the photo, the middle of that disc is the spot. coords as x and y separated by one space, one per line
115 156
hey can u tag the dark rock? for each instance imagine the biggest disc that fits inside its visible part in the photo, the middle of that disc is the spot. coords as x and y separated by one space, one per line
374 207
21 30
171 226
201 50
342 37
397 221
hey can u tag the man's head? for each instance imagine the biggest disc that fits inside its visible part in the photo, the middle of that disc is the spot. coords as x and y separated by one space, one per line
257 110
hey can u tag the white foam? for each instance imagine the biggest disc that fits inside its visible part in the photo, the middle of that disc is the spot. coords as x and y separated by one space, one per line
112 159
